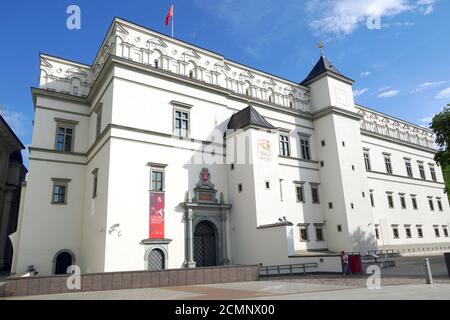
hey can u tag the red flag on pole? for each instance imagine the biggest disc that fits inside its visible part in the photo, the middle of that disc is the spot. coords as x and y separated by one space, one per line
169 15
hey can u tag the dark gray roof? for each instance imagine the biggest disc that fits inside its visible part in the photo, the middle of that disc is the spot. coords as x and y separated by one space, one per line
246 117
322 66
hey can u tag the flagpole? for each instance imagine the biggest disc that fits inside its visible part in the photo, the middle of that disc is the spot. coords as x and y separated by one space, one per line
173 17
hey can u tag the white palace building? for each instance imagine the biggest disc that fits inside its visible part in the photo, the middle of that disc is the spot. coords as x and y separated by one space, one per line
162 154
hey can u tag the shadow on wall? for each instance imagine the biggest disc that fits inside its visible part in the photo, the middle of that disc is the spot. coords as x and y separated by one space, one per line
363 241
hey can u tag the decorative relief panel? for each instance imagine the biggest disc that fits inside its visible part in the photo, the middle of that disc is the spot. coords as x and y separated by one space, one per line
149 49
392 128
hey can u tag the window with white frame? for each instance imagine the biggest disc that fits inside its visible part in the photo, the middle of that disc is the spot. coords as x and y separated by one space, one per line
157 179
284 145
439 203
409 171
304 237
299 192
305 147
419 231
422 171
388 163
402 201
395 232
408 232
181 122
372 198
433 174
445 229
59 190
319 233
94 183
431 203
437 233
377 232
315 193
65 133
390 199
367 160
414 201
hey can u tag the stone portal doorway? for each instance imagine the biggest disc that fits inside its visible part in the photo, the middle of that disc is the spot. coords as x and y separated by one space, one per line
205 245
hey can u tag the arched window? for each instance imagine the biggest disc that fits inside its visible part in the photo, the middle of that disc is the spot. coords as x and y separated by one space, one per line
191 70
156 260
63 260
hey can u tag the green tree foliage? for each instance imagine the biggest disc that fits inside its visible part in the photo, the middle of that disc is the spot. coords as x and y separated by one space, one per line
441 128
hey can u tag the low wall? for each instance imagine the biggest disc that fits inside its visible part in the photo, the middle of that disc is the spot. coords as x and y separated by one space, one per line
131 280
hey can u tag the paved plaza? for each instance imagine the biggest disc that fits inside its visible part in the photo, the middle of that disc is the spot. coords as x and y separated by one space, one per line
405 281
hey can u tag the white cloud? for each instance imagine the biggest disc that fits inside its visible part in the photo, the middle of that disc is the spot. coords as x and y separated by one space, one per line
16 120
426 120
384 89
427 85
388 94
343 17
359 92
444 94
365 74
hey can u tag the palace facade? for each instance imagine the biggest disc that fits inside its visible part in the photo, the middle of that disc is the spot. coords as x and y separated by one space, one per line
162 154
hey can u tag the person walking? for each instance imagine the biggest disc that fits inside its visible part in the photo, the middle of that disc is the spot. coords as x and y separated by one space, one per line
345 264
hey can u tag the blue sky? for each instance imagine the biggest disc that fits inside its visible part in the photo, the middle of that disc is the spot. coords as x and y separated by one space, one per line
400 68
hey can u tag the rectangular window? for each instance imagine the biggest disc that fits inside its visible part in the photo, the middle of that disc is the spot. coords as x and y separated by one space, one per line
408 232
284 146
414 202
339 228
445 231
439 203
377 233
304 233
64 137
431 203
240 187
305 148
402 201
367 161
433 174
372 199
94 183
181 125
299 193
315 194
420 232
267 184
98 129
422 172
319 234
395 233
388 163
390 201
157 180
408 168
436 232
59 191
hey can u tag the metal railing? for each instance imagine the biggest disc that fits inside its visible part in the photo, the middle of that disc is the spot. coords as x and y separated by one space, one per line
290 269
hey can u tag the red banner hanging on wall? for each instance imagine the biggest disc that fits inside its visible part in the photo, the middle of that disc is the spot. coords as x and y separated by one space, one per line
157 202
